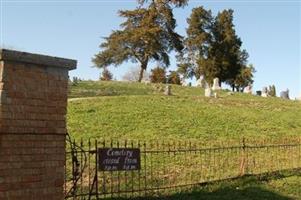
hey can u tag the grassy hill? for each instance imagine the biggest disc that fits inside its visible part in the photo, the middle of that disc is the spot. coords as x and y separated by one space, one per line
137 111
140 111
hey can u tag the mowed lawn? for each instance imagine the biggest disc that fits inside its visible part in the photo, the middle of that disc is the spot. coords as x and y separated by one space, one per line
141 112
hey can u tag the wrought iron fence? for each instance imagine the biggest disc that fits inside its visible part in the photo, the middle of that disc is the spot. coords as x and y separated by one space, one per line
167 167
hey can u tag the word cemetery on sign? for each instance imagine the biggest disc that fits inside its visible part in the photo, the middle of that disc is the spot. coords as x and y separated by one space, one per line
118 159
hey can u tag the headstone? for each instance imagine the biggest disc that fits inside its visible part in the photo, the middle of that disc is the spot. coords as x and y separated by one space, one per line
208 92
264 92
258 93
285 94
216 84
248 89
215 95
167 90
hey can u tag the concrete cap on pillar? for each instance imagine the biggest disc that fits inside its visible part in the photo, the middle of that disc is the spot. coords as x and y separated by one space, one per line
18 56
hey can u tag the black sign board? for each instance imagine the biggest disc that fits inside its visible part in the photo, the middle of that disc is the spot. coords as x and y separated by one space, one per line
118 159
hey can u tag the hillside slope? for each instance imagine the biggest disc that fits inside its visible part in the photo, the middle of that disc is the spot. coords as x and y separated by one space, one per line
139 111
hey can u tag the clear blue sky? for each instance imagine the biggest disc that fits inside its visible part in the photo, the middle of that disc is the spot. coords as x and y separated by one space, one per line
270 31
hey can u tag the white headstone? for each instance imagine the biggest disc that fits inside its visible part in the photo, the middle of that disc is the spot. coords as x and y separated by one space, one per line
248 89
264 92
285 94
215 95
216 84
167 90
208 92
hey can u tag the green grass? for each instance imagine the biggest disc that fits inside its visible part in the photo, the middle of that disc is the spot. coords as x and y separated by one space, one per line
139 111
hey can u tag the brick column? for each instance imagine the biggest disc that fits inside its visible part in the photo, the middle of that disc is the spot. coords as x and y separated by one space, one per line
33 104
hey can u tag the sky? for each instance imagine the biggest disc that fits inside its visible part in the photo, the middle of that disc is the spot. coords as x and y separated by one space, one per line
270 32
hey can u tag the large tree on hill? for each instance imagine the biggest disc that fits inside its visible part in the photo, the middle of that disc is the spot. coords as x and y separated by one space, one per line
212 48
148 34
195 60
228 55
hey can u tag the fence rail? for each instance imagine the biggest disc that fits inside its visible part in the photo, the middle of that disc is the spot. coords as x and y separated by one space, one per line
166 167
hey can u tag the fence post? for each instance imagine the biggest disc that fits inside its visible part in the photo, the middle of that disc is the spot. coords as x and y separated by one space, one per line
243 158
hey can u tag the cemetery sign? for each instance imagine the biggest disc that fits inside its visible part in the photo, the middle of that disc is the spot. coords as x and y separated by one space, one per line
118 159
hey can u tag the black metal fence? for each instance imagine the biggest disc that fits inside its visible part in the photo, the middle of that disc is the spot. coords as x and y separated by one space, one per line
167 167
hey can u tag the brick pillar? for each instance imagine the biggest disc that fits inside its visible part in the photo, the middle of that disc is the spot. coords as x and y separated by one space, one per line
33 102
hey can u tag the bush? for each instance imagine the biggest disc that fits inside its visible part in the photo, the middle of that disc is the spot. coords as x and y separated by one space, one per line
158 75
106 75
272 91
75 80
174 78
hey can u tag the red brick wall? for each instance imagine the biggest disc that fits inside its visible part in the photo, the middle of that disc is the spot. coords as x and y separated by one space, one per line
33 100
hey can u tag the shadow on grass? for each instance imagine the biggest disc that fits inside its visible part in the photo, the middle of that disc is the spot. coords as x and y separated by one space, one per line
246 188
228 193
249 187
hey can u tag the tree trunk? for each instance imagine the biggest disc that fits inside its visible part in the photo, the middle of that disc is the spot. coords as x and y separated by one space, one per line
233 88
141 74
143 67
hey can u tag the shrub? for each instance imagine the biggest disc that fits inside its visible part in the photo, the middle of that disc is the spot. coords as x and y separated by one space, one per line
106 75
272 91
158 75
75 80
174 78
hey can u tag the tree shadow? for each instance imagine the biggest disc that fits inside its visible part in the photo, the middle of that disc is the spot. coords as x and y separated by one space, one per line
246 188
227 193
